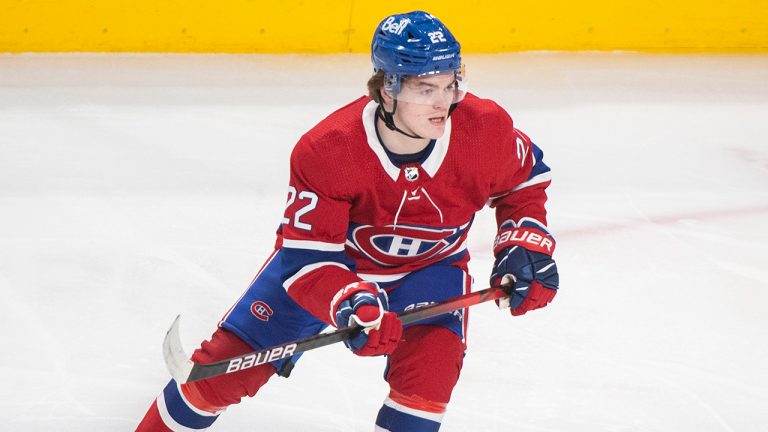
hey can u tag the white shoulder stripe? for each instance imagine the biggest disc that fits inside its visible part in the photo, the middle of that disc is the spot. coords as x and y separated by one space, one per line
541 178
310 268
313 245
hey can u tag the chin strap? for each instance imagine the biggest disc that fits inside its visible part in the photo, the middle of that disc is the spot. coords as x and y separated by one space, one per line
453 107
389 119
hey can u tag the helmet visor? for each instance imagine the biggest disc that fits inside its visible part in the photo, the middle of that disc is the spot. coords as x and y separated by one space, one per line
444 88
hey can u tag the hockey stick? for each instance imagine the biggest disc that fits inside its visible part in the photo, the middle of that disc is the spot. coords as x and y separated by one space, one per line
185 370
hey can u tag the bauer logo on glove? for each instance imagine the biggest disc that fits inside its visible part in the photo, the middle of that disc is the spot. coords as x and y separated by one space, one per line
523 253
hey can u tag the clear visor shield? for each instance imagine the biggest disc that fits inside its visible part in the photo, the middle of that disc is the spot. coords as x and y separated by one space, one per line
437 89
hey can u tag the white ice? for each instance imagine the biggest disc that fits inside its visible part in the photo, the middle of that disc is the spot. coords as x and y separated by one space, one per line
137 187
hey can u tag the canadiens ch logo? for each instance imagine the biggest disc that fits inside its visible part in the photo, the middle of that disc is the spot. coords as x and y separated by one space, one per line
411 173
261 310
390 246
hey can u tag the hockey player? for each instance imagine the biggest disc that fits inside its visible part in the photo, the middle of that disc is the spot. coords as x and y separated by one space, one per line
382 194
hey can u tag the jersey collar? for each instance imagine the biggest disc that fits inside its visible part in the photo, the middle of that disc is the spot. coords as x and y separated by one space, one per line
430 165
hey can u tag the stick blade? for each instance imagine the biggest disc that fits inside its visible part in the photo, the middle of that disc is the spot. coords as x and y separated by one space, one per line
176 360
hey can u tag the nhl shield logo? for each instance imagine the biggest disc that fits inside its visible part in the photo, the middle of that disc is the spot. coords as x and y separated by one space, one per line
411 173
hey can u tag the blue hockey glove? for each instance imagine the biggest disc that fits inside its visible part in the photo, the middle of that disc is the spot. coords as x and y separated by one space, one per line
524 260
368 307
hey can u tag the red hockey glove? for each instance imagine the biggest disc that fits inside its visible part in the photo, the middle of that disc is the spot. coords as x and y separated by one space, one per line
524 259
381 330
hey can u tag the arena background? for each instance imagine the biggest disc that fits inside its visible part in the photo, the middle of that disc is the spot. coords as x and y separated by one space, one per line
297 26
142 176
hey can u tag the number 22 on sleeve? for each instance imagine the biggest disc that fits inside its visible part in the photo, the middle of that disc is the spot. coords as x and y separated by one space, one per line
302 196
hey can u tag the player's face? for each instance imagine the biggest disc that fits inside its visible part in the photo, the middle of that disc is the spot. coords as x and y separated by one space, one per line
423 104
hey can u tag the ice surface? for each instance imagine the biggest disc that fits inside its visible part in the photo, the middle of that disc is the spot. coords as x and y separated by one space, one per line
137 187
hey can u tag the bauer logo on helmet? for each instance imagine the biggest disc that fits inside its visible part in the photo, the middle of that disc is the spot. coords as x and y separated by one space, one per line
443 57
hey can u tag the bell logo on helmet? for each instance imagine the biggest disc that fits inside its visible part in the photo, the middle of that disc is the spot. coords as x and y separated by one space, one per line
390 26
414 43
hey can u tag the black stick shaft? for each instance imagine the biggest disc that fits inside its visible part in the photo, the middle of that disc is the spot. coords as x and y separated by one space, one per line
288 349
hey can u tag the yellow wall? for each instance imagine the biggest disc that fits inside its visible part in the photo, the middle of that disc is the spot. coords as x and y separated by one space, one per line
325 26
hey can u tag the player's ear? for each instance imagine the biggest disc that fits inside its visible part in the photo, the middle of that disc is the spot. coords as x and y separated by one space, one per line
385 99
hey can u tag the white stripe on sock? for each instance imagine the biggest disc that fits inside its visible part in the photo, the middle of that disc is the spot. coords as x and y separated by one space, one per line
168 420
414 412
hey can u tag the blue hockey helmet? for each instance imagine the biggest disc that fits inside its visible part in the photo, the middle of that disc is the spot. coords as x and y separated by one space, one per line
413 44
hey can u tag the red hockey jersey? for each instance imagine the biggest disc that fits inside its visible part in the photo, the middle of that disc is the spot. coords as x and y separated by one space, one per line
353 214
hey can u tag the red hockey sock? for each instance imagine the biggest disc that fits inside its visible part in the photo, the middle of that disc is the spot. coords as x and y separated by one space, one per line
426 364
196 405
152 422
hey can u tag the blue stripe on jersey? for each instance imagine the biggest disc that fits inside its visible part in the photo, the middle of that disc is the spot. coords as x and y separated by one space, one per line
293 260
396 421
181 412
539 167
